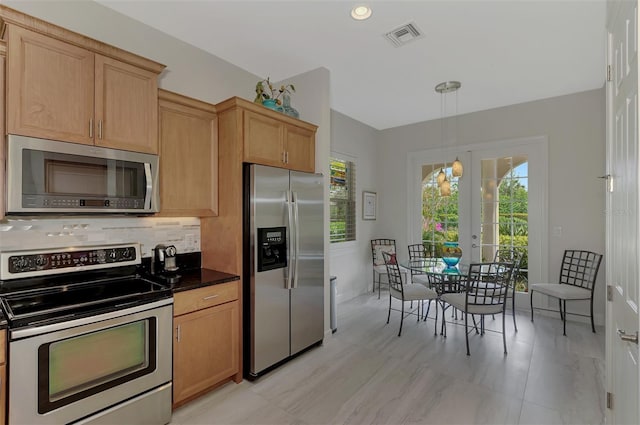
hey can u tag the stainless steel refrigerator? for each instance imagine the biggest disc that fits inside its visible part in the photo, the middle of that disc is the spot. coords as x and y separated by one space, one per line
283 266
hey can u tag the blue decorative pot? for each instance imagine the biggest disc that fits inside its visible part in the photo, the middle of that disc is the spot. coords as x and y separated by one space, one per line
271 104
451 254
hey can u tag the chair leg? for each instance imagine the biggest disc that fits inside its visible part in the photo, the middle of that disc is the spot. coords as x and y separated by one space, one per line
504 337
513 310
466 333
564 318
389 314
435 326
561 315
374 282
443 325
531 301
401 318
593 326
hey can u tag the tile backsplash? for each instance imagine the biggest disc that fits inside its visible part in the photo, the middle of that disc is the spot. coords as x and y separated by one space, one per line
36 233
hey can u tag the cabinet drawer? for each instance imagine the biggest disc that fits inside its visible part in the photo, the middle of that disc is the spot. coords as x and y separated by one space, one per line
197 299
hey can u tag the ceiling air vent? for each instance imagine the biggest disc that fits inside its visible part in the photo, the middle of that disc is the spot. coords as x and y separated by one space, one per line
404 34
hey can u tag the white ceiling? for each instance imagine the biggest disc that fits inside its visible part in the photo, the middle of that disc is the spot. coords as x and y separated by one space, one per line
504 52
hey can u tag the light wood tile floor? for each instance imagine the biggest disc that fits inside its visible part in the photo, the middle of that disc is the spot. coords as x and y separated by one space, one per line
366 374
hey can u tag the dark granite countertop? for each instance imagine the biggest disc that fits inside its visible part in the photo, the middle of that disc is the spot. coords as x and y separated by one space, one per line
192 276
197 278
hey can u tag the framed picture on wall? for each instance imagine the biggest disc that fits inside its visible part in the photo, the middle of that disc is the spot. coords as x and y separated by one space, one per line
369 201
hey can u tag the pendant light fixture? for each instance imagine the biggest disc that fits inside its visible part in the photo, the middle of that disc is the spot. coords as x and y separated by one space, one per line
456 168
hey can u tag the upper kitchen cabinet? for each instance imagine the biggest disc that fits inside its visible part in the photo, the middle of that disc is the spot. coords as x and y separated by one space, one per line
64 86
272 138
188 156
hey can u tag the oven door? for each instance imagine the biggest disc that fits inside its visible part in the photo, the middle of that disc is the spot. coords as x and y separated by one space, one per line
68 371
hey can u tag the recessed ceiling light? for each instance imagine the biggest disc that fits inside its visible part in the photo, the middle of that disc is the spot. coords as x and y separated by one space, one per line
361 12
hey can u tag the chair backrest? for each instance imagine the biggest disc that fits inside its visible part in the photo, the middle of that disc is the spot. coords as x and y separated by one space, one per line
510 255
580 268
488 283
380 245
395 277
417 251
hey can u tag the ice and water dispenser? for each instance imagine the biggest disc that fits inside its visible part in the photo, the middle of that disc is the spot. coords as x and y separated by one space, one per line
272 248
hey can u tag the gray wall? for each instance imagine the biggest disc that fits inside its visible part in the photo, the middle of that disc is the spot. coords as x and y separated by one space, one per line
351 261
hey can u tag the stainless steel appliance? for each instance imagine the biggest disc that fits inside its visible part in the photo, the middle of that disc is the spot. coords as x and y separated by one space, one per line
46 176
284 265
90 340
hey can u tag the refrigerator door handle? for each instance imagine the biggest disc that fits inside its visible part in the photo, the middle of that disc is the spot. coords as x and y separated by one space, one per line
289 269
296 236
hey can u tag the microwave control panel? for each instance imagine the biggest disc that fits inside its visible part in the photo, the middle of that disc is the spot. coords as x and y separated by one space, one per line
272 248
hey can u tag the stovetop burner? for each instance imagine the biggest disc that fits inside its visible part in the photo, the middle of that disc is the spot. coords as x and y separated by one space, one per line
92 287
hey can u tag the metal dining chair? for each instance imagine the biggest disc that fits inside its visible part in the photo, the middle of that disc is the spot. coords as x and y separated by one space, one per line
405 292
485 293
378 246
417 252
577 280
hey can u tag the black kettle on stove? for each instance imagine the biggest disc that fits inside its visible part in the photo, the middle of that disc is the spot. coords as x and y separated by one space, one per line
163 263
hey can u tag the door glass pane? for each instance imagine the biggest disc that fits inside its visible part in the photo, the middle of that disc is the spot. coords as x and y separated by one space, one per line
504 210
440 221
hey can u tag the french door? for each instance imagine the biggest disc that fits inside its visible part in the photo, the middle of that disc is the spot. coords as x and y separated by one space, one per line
500 201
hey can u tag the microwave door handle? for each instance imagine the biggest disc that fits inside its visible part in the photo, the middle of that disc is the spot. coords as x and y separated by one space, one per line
149 187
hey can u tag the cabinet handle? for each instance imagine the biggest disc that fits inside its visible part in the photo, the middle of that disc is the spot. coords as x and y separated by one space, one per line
91 128
178 333
286 155
210 297
284 161
100 129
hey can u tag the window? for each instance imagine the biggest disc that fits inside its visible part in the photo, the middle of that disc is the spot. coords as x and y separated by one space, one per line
342 200
439 213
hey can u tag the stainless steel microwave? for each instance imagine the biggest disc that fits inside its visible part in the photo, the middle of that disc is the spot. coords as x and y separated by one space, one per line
46 176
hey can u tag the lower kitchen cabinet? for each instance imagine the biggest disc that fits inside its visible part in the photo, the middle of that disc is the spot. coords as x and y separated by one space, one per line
3 377
206 345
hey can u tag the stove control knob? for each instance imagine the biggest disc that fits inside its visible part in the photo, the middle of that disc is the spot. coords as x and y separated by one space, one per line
113 254
126 253
20 263
41 261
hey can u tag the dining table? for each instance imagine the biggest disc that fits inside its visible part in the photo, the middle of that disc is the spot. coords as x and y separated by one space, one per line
442 278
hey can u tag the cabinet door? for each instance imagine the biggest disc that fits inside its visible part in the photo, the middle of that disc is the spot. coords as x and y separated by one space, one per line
205 349
263 137
300 147
126 106
188 161
49 87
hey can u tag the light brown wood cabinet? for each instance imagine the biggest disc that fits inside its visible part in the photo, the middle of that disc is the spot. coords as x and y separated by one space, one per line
3 139
61 86
206 344
3 377
271 138
188 156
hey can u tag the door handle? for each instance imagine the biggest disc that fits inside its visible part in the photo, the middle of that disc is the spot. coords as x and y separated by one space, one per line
628 338
474 246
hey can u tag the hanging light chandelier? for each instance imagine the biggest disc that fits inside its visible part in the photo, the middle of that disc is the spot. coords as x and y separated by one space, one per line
456 167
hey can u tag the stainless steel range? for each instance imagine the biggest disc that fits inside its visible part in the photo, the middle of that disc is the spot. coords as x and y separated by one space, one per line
90 340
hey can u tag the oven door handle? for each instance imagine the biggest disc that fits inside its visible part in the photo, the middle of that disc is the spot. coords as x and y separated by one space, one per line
30 331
